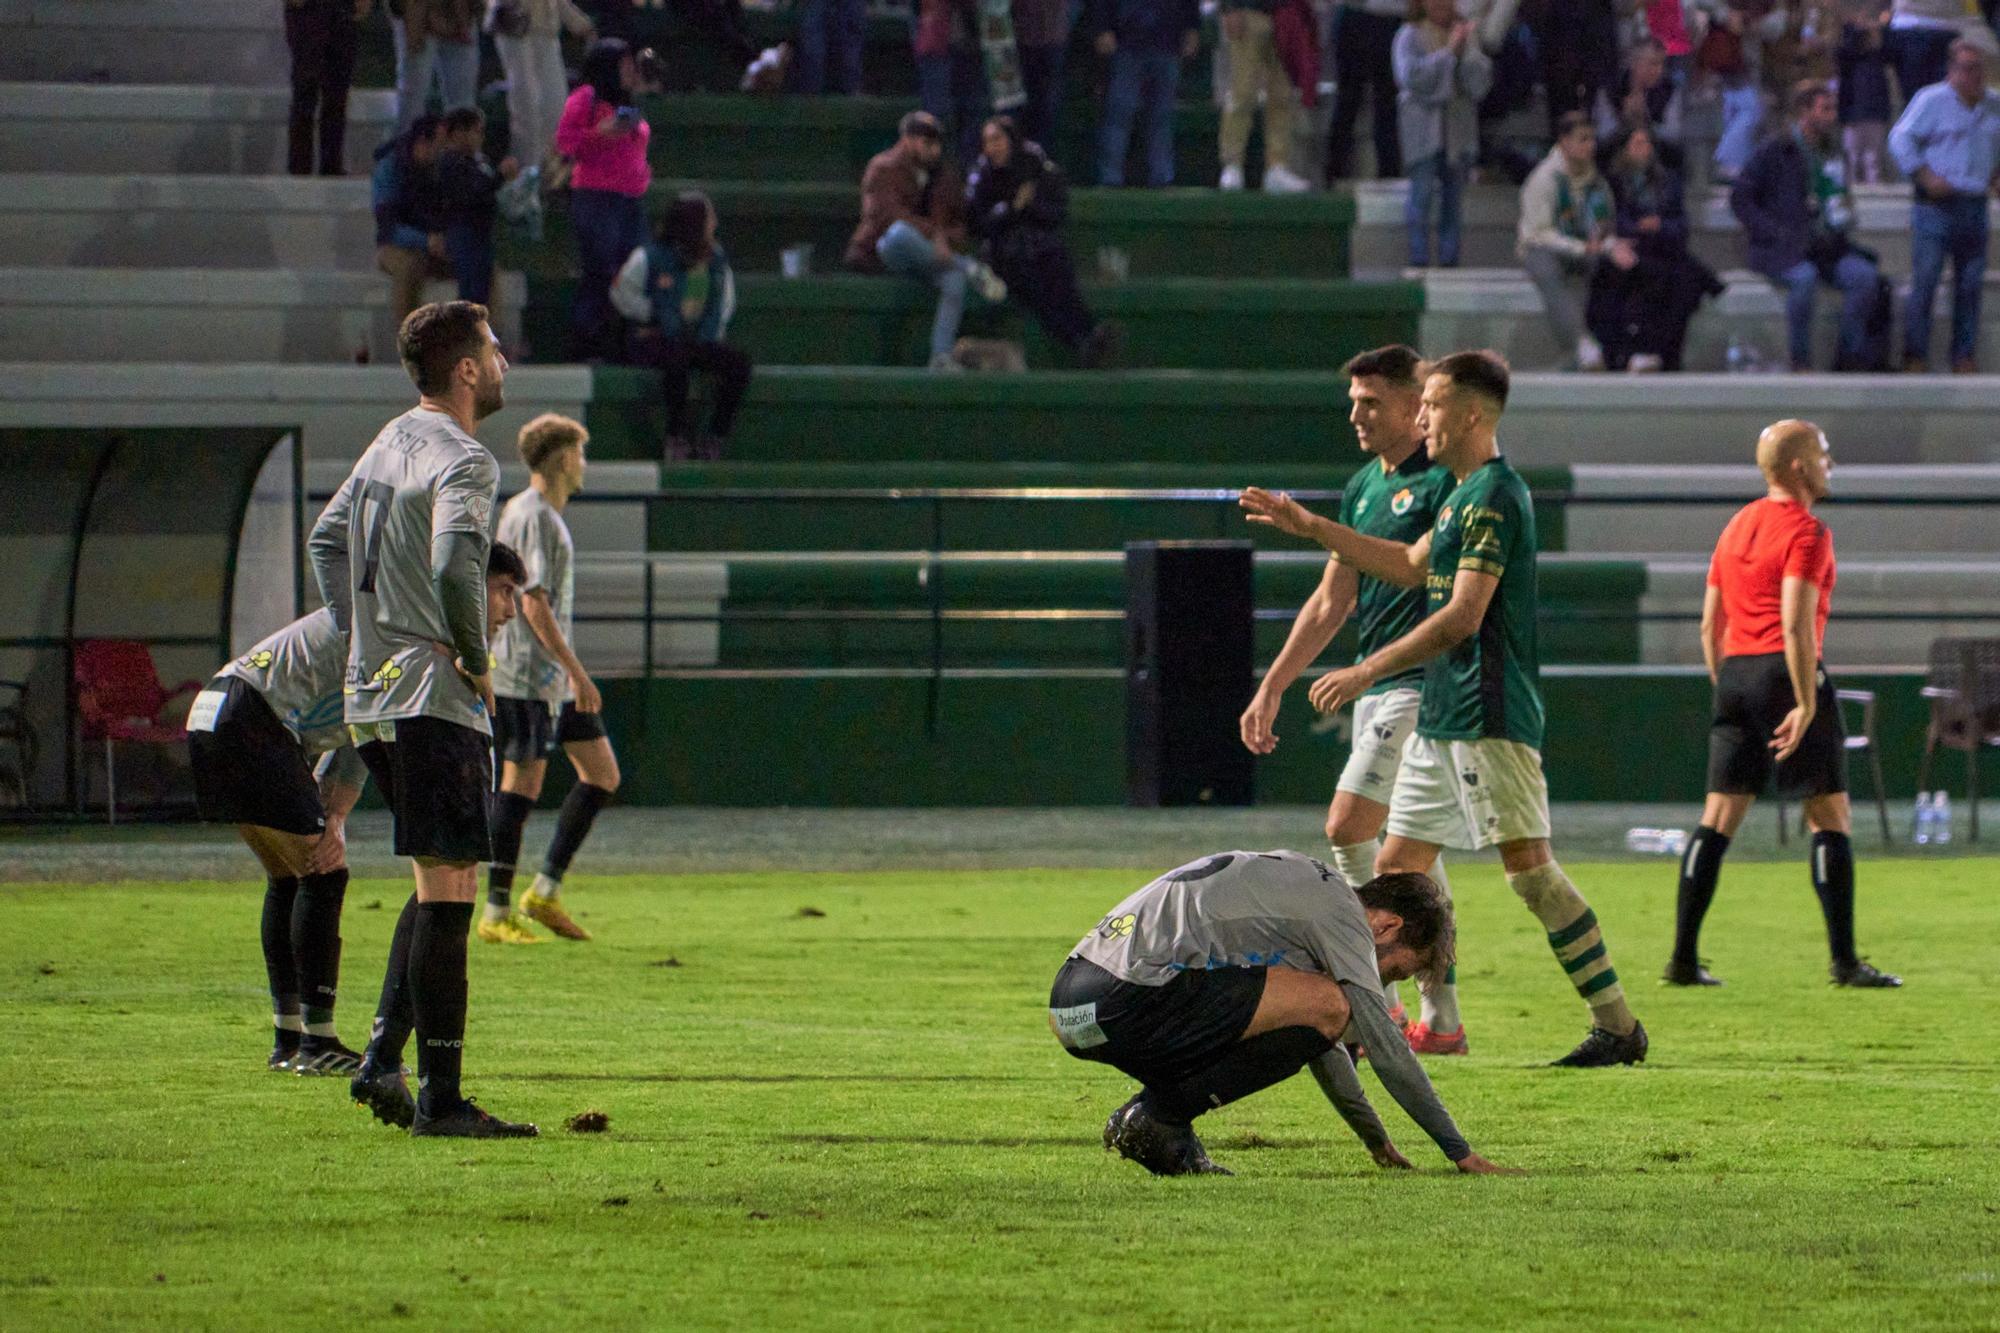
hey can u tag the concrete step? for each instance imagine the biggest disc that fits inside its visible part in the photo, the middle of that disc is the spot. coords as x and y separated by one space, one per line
1499 308
152 129
237 222
1602 516
145 41
214 315
1492 213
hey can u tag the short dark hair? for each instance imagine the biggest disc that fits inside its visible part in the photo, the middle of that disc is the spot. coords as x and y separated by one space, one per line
1807 91
425 127
1571 121
1428 928
505 561
1483 372
919 125
684 225
464 118
436 337
1395 363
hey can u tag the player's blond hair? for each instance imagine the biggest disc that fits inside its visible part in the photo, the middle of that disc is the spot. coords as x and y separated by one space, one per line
1785 442
548 435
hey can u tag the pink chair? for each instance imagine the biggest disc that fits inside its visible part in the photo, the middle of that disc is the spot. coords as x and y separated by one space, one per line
119 697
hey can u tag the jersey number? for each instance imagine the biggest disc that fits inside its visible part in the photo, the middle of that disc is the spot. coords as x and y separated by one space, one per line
369 516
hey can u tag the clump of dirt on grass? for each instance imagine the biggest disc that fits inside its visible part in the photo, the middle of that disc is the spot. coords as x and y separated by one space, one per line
588 1122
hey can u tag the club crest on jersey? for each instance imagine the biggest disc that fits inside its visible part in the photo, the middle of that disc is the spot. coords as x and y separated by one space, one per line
1444 516
1401 504
480 508
1360 508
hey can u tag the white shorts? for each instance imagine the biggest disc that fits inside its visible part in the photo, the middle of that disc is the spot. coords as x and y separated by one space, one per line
1469 794
1382 722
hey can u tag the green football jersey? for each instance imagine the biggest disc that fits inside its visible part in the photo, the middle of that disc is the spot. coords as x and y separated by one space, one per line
1398 506
1489 686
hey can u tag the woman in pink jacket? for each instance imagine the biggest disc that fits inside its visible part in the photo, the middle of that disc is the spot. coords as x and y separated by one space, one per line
602 130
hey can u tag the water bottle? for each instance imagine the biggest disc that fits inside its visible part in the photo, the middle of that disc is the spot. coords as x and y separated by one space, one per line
1941 818
1924 825
1738 356
1656 841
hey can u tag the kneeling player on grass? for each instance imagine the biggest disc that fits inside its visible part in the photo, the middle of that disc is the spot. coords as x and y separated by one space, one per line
1227 975
542 695
251 736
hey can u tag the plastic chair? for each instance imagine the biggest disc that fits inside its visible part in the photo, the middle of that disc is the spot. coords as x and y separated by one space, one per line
1964 693
119 697
1861 736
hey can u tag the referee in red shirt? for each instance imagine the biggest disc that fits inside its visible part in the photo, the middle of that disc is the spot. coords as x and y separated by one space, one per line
1763 622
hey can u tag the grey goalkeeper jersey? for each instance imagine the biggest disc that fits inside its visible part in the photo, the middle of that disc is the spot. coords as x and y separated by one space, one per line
523 668
300 671
1277 909
422 476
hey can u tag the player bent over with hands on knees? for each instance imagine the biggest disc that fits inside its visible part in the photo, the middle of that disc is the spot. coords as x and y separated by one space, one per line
1226 976
1471 776
251 735
1763 626
1396 495
401 555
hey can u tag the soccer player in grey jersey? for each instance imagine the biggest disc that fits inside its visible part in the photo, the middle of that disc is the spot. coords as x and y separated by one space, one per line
252 734
1227 975
542 695
401 554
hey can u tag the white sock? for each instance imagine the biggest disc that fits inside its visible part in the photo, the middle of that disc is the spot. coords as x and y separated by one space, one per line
493 912
544 887
1439 1010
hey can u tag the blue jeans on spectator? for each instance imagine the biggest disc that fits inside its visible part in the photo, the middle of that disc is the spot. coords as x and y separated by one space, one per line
830 40
1952 229
454 66
609 227
1856 279
908 253
1742 114
1434 180
1143 83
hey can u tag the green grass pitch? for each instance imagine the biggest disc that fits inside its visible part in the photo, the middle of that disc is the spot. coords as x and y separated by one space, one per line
859 1120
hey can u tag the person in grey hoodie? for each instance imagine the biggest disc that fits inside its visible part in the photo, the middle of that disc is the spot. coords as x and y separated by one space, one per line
1441 73
1566 230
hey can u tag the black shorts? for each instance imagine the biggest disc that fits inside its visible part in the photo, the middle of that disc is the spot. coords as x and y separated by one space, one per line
249 769
1752 696
1156 1034
524 730
436 776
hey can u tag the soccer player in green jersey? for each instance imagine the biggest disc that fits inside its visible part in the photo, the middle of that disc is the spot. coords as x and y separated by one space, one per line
1396 495
1472 774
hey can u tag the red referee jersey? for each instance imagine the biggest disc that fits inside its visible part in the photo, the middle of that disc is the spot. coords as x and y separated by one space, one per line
1768 541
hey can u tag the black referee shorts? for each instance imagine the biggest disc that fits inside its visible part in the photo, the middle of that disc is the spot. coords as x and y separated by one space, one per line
1156 1034
435 777
1752 696
524 730
249 769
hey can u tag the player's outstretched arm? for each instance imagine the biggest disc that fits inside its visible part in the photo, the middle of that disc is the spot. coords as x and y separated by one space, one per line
1334 1073
1392 562
1405 1079
1317 622
541 621
1458 620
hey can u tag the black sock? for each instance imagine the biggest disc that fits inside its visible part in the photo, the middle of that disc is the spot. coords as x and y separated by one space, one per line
510 818
1701 866
437 989
316 942
1248 1066
579 812
279 968
393 1016
1833 881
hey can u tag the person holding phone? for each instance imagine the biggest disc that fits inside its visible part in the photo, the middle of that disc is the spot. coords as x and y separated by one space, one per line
604 133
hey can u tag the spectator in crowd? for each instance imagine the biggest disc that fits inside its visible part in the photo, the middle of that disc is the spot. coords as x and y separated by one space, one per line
1579 45
530 46
1566 224
469 187
1146 41
680 293
1041 36
1864 94
828 53
1734 36
435 39
1441 73
1644 94
911 218
323 36
951 74
1017 202
1639 311
1919 41
410 215
1666 23
1948 145
601 129
1256 71
1364 33
1796 212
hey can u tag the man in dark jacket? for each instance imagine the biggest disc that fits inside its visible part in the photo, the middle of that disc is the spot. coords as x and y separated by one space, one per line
1793 201
1018 201
1146 41
469 186
410 214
